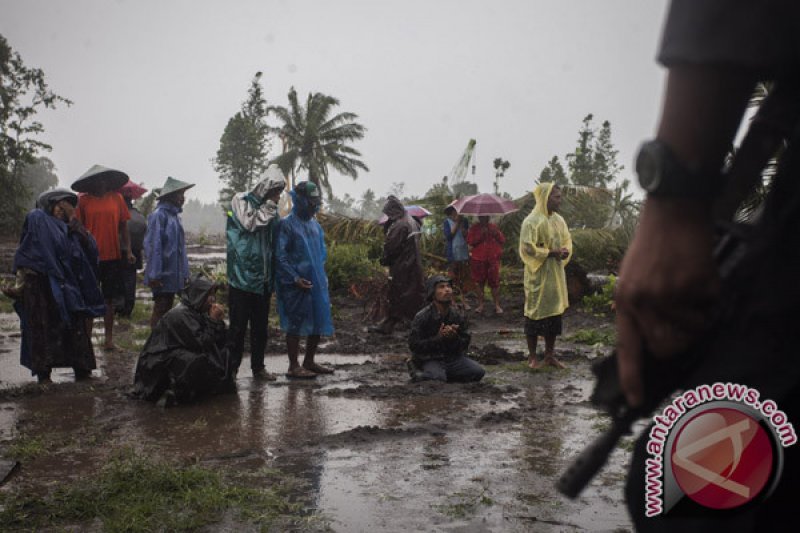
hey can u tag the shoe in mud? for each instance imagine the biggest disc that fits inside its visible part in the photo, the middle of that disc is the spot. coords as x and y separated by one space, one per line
262 375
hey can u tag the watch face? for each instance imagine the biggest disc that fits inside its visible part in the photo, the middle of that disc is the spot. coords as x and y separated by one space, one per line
647 168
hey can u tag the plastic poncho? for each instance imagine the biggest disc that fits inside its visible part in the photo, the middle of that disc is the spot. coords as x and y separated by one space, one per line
301 253
545 280
186 351
250 231
165 249
456 248
68 257
401 254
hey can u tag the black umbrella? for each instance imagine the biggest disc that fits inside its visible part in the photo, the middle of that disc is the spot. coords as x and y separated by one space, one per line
97 174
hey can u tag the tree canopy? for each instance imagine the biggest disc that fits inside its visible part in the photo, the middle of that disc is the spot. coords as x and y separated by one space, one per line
23 93
243 153
315 139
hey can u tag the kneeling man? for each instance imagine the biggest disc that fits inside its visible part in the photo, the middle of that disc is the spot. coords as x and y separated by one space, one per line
439 339
186 355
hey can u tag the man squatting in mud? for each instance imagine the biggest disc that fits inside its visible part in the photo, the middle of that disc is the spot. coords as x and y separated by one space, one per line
439 339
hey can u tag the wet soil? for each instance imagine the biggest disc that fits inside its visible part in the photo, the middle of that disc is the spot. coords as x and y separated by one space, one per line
372 451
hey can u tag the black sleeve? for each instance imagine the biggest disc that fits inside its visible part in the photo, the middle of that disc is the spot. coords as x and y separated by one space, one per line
762 35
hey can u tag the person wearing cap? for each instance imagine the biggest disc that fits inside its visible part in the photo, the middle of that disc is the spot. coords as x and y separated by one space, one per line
104 214
440 338
301 285
58 294
167 269
137 227
401 254
250 233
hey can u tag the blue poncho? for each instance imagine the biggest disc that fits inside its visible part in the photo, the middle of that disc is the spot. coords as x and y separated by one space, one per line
165 249
48 248
301 253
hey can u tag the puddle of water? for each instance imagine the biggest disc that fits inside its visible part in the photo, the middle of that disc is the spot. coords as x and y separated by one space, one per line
417 461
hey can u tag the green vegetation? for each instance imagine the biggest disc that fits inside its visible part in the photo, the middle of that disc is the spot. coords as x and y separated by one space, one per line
25 448
607 337
135 494
466 503
6 305
316 139
348 264
602 301
244 145
24 93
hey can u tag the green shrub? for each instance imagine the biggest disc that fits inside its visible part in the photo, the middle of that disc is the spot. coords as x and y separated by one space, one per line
602 301
348 264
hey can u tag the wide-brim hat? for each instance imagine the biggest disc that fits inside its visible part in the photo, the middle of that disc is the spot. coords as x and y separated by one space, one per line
98 173
172 186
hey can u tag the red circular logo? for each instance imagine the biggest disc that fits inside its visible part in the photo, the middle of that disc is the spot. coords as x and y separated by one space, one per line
722 458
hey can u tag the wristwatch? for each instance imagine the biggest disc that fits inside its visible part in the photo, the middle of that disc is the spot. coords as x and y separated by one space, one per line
661 174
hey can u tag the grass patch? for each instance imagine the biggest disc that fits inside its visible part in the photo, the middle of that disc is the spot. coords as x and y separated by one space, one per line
464 504
141 312
134 494
24 448
6 304
606 337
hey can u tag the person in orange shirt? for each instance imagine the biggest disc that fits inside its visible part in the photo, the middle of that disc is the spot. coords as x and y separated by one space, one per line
486 241
103 212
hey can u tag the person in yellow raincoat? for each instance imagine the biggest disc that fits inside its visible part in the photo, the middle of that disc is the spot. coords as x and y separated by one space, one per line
545 247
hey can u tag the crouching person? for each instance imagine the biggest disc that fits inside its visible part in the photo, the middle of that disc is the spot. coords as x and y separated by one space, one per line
440 338
185 356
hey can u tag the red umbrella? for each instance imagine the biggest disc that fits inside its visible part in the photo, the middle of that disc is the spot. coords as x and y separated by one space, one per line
132 190
413 210
484 205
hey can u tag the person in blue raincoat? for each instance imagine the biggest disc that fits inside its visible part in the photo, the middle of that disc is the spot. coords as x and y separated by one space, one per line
57 293
301 284
250 230
167 268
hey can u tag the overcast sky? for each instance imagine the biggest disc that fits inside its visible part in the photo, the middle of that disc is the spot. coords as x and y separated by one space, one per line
155 81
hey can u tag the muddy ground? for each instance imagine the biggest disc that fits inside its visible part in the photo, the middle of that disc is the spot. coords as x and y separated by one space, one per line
366 449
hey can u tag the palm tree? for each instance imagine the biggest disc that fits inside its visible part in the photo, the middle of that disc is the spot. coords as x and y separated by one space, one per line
314 141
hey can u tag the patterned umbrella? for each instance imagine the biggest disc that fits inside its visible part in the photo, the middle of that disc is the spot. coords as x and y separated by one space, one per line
413 210
484 205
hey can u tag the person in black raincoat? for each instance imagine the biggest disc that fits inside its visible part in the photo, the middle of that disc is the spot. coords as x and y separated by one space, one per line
440 338
185 356
401 254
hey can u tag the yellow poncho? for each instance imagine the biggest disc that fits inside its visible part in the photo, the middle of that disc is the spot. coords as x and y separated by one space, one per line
545 281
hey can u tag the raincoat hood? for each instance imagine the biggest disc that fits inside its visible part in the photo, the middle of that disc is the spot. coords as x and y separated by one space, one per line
305 200
196 292
272 179
541 194
433 281
393 208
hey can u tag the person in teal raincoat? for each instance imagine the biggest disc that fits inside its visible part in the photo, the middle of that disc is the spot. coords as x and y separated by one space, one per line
250 233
